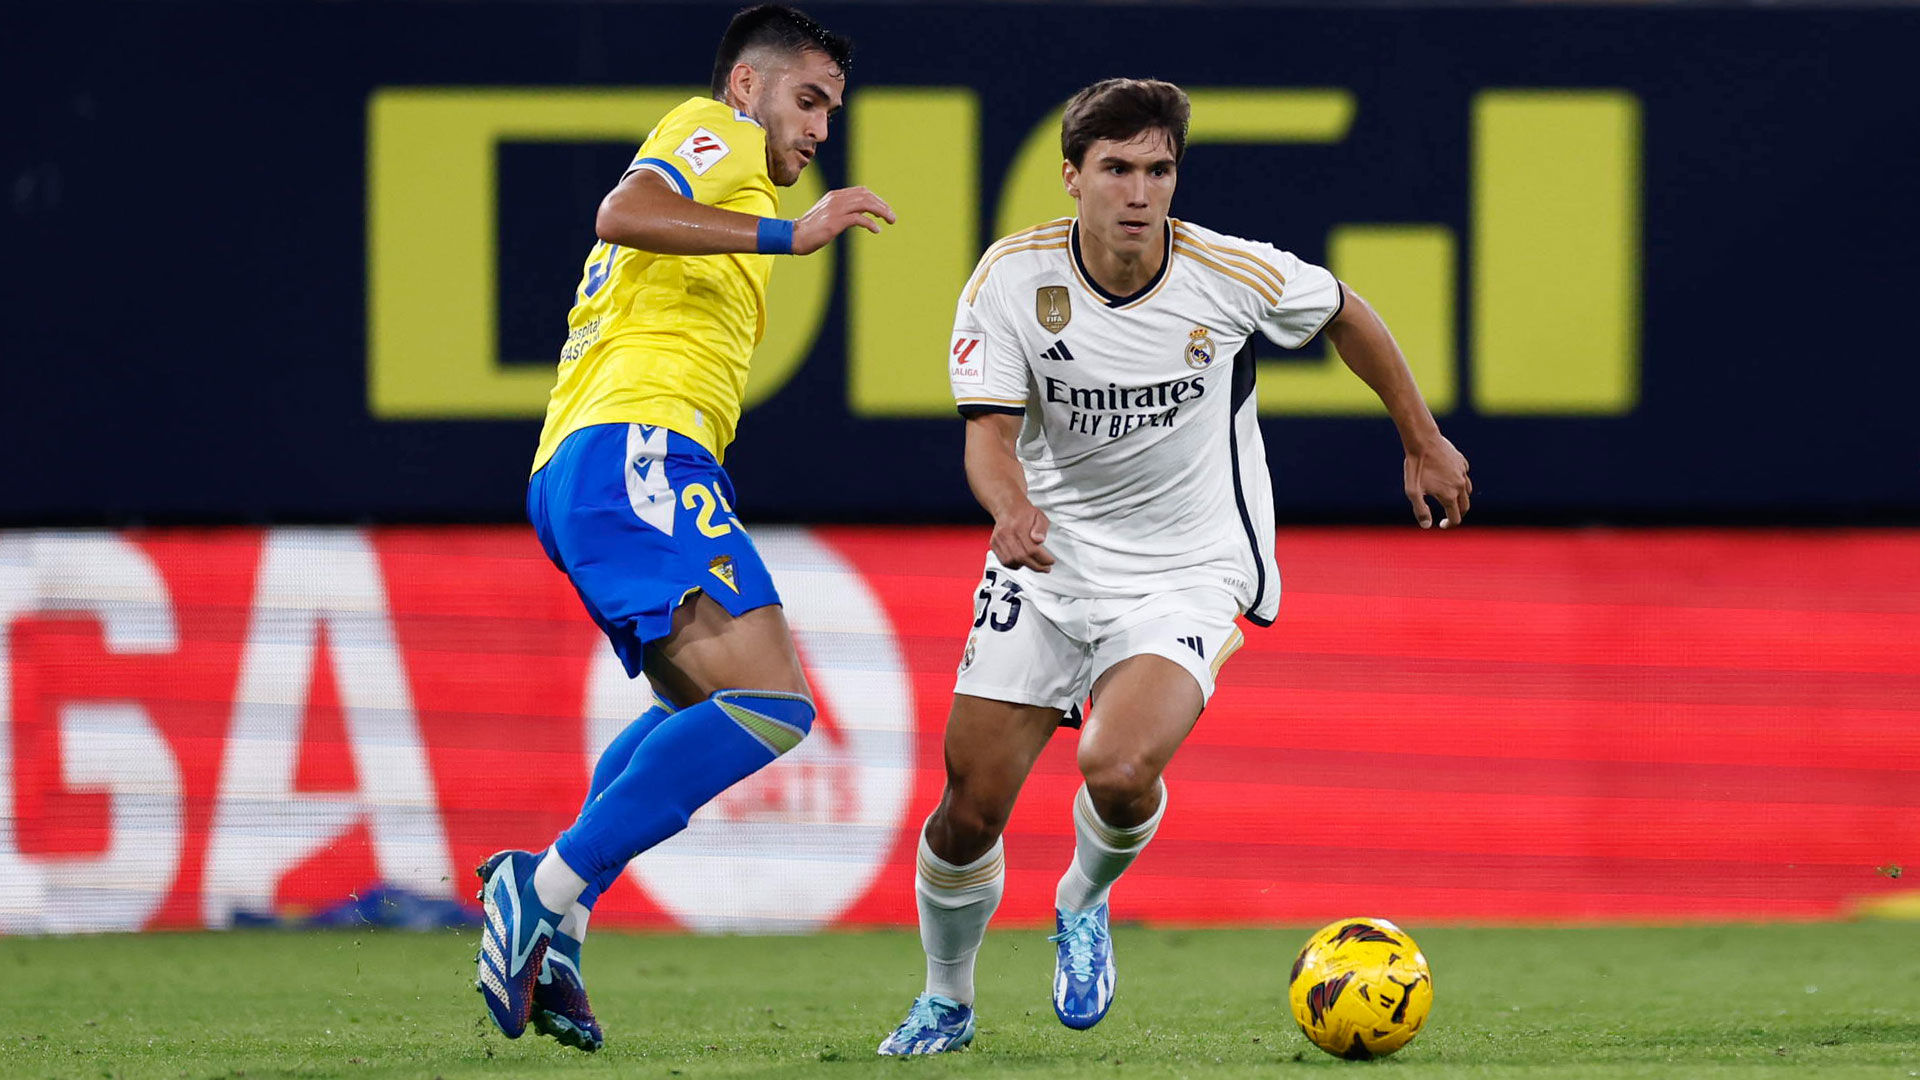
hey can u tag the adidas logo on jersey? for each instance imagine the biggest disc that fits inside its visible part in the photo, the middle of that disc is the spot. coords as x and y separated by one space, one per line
1194 643
1058 352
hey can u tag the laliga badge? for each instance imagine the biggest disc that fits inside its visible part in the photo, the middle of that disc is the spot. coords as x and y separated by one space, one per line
968 361
702 150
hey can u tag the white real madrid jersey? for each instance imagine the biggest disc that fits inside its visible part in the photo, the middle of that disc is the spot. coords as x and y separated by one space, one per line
1140 442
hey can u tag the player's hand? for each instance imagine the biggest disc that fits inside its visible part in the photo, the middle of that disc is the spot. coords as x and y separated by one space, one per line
1435 469
1017 540
835 213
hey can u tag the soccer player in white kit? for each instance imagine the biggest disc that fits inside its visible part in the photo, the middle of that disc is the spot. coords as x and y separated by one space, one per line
1102 363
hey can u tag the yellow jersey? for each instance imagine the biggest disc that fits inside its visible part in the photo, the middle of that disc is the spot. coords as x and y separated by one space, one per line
665 339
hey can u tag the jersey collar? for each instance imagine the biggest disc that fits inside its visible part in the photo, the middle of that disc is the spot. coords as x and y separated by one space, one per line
737 114
1113 300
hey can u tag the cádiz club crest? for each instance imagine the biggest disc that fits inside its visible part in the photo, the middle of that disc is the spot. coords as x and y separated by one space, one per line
1051 306
1199 347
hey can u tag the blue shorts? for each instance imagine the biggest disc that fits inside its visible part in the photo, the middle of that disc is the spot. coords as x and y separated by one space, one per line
641 518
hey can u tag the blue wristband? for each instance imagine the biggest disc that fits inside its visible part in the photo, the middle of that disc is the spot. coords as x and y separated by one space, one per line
776 236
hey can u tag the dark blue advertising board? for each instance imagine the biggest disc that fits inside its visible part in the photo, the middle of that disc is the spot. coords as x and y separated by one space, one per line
313 261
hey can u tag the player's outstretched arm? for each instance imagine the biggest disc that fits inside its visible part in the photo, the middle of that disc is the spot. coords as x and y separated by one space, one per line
1433 466
645 213
994 474
835 213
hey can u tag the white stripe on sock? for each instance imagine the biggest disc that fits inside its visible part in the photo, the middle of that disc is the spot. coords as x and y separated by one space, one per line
556 883
574 923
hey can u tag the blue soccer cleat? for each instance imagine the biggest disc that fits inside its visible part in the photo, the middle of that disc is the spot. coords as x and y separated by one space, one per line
513 940
560 1007
934 1025
1083 972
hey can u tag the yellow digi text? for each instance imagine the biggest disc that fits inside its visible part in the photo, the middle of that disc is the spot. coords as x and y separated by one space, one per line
1552 267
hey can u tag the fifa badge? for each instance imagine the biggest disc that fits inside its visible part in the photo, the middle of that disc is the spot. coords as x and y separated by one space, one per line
1052 307
1199 348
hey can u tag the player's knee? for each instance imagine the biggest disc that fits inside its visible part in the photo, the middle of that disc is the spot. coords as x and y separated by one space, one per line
968 825
775 717
1119 778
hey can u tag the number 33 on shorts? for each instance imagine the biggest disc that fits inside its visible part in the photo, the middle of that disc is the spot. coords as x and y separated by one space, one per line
997 613
1031 646
1015 652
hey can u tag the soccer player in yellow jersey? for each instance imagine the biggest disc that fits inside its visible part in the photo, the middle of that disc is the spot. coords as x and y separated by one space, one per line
629 499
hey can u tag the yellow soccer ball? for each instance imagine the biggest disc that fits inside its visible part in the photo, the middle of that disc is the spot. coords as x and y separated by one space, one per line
1360 989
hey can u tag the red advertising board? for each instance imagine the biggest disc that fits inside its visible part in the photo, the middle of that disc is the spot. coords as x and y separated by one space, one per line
197 726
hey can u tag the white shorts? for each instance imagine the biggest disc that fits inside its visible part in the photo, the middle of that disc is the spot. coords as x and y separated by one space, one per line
1032 647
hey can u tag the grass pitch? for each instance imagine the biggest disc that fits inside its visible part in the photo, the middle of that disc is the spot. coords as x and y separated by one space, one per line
1718 1002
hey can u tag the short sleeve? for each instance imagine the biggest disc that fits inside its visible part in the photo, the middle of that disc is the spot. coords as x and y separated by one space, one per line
985 365
1310 297
706 158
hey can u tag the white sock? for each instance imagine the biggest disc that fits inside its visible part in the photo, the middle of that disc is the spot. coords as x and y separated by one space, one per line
555 883
1101 852
956 903
574 922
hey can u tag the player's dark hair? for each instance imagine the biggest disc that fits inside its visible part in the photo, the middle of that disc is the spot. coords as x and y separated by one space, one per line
1120 109
778 27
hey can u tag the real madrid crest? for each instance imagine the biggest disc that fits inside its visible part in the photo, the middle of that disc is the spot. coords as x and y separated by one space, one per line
1199 347
1053 308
